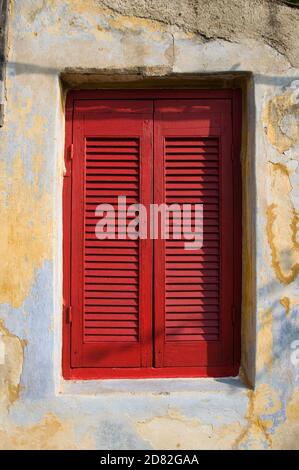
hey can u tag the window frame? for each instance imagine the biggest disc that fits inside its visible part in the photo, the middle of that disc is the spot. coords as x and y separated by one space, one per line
85 373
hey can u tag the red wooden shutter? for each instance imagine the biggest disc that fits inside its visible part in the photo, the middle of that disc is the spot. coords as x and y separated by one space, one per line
111 279
194 289
143 308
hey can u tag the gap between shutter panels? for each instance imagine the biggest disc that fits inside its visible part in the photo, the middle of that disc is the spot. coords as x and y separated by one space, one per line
111 267
192 277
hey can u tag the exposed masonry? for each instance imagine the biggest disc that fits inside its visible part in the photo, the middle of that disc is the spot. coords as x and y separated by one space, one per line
11 364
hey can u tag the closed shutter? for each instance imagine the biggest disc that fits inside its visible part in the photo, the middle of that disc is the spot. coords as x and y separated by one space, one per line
151 307
194 300
111 292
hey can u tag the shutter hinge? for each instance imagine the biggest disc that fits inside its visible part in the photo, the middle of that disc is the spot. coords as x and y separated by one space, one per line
68 314
71 152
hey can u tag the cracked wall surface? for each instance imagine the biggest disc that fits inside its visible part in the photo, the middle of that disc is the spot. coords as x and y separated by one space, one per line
233 20
53 45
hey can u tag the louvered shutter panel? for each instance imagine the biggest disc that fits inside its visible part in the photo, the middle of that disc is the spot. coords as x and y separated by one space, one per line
194 288
192 314
111 288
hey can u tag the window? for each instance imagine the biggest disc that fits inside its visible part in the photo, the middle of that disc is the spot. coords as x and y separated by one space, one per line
147 306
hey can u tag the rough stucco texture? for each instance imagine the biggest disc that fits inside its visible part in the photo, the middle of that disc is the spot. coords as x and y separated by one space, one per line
153 38
266 20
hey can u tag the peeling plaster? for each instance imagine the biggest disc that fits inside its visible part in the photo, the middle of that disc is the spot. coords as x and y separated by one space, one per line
25 237
282 226
281 120
264 351
51 433
264 428
287 434
285 302
126 41
11 366
264 404
175 431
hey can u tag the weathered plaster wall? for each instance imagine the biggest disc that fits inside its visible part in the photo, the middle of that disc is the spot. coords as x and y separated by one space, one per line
137 40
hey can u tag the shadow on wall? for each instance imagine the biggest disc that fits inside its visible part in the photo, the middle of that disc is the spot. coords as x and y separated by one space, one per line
19 68
280 319
278 328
